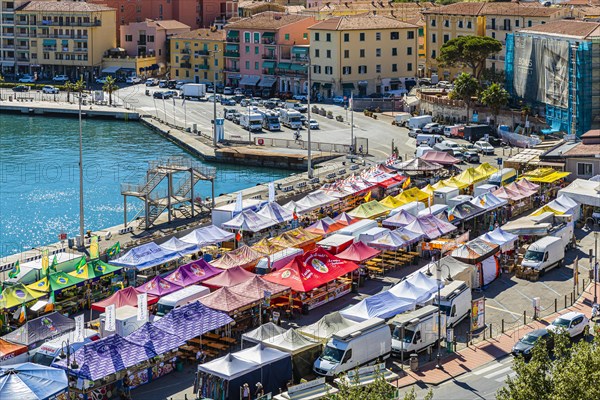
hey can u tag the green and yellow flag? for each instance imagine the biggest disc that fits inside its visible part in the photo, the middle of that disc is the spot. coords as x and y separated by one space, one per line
80 269
94 249
114 250
45 262
54 264
14 272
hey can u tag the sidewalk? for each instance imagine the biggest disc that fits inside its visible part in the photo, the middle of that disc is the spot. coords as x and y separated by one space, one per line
489 350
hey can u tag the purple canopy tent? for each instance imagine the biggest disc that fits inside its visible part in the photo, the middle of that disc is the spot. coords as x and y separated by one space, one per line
192 320
159 341
106 356
430 226
192 273
158 286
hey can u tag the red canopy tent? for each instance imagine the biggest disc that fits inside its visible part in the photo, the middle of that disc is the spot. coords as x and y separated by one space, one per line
311 270
10 350
229 277
124 297
394 181
440 157
228 301
324 226
358 252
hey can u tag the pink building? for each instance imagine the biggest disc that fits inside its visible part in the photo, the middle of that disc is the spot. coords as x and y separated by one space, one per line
268 52
150 38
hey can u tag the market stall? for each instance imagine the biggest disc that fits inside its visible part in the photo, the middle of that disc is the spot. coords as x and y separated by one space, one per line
33 381
358 252
12 353
260 288
482 254
223 378
229 277
243 256
249 221
413 194
440 157
326 327
146 256
390 202
324 226
345 219
463 212
159 341
31 270
315 278
426 283
276 261
274 212
430 226
383 305
36 331
121 298
18 295
369 210
488 201
299 238
399 219
263 332
417 165
486 170
584 192
458 270
266 246
158 286
397 239
234 304
519 199
505 240
193 273
176 245
275 366
192 320
303 351
207 235
408 290
336 243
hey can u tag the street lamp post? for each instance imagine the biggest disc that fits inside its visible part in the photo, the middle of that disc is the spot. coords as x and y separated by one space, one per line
81 245
70 365
215 98
438 275
308 94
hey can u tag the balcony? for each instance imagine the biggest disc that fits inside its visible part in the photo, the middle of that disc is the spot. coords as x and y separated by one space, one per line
233 54
299 59
201 53
203 66
182 51
21 47
80 50
46 48
232 69
23 59
23 22
269 57
185 65
233 39
69 23
267 40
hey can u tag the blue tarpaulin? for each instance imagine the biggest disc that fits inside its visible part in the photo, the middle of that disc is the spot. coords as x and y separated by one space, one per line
32 381
160 341
107 356
192 320
145 256
383 305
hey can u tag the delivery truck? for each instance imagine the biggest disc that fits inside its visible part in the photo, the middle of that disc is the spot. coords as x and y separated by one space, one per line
193 91
349 348
544 254
416 330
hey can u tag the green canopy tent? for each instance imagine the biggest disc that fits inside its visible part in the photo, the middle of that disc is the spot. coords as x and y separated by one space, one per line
372 209
94 270
56 282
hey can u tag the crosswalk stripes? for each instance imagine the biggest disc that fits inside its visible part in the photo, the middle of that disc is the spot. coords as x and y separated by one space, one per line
496 371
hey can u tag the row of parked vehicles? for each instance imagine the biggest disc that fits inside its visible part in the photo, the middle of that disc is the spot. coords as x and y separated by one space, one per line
256 119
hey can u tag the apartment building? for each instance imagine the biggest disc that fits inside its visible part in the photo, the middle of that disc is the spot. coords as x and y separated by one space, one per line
63 38
480 19
197 56
362 55
268 52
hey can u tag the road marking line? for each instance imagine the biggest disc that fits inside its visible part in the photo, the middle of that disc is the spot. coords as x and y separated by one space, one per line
512 375
502 309
550 288
486 369
502 371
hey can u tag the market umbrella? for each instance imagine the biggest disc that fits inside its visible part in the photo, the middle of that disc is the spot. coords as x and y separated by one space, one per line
32 381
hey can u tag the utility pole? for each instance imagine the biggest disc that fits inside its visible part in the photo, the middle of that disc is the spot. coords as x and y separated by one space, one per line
81 216
352 123
308 94
214 69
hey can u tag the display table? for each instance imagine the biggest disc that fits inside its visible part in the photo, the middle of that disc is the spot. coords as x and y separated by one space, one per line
326 293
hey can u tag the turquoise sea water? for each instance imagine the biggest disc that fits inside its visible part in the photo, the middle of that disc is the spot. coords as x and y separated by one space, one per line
39 176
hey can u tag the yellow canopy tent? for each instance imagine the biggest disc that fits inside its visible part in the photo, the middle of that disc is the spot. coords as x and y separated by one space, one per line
544 175
390 202
428 189
439 185
547 208
413 194
455 182
486 170
265 246
470 176
372 209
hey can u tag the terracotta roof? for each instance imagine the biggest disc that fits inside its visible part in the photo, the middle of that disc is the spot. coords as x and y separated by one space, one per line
594 133
266 20
571 28
172 24
202 34
583 150
476 9
473 9
369 6
64 6
361 22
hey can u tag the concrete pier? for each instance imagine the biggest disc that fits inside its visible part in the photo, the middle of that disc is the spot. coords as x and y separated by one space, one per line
67 110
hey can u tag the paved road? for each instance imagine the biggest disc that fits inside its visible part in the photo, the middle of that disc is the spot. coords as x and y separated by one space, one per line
480 384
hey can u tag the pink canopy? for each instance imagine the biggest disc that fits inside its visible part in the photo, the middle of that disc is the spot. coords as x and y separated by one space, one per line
507 193
192 273
345 219
358 252
158 286
430 226
440 157
228 301
229 277
124 297
400 219
520 189
257 286
526 184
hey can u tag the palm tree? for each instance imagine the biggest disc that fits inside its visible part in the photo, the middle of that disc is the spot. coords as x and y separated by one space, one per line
495 97
109 87
465 87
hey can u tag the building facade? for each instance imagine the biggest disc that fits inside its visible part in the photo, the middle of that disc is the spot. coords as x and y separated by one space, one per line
150 38
268 51
362 55
197 56
582 160
63 38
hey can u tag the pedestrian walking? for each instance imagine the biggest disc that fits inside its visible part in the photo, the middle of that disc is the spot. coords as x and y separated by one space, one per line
260 391
245 392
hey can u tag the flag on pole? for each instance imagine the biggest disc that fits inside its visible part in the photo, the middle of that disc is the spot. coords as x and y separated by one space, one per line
94 248
406 183
367 198
239 204
14 272
54 264
238 235
271 192
114 250
295 214
45 262
79 269
23 314
50 306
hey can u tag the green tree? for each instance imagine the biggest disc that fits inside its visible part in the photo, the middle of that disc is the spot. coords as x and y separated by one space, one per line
468 51
465 88
572 374
494 97
110 86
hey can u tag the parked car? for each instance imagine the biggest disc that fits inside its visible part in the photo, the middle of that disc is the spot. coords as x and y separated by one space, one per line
228 102
151 82
179 84
338 100
236 118
171 93
414 132
574 323
133 80
300 97
21 88
171 84
227 90
211 98
312 123
238 91
471 156
101 80
60 78
162 83
49 89
525 345
433 127
245 102
484 147
27 79
161 95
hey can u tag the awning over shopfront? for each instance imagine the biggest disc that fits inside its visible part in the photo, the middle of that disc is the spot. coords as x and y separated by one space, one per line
298 67
111 70
268 81
268 64
250 80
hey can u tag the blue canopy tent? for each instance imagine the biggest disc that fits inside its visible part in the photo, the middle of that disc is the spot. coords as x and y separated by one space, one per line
145 256
383 305
192 320
32 381
106 356
157 339
178 246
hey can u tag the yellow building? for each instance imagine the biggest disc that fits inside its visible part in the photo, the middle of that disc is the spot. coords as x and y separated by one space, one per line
197 56
481 19
362 55
67 38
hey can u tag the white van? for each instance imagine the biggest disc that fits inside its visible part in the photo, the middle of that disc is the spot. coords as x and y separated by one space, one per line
354 346
544 254
422 149
47 352
358 227
455 302
429 140
401 119
416 330
452 131
180 298
419 122
503 177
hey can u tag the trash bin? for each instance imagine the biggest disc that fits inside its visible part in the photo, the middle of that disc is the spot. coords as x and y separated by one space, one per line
179 366
354 287
414 362
361 280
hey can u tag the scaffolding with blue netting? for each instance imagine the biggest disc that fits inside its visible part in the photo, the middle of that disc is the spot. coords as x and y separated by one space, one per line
508 64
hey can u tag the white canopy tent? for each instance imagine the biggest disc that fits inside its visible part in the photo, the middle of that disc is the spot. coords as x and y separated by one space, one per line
275 212
323 329
249 221
583 192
